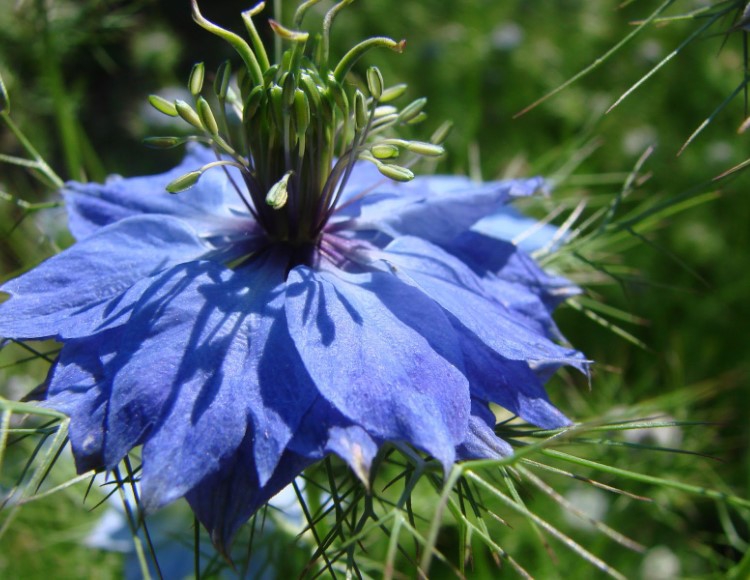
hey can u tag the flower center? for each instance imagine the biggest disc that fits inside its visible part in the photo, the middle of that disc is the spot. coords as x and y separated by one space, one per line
295 128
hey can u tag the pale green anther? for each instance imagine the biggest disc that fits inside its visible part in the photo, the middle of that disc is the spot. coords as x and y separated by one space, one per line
375 82
421 116
441 133
395 172
339 96
360 110
163 105
326 109
301 111
289 86
278 194
312 90
163 142
382 151
386 121
221 82
195 84
207 116
4 98
426 149
383 111
393 93
187 113
184 182
411 110
252 103
276 96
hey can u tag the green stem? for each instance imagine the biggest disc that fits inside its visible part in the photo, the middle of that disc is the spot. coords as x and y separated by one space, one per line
695 489
39 161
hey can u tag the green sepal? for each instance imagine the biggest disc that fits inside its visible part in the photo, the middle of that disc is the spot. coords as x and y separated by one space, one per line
163 105
197 75
184 182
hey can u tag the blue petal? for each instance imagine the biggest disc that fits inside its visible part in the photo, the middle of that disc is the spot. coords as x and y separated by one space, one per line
203 337
73 293
325 430
486 255
225 500
510 224
509 383
459 291
93 206
512 278
79 388
383 354
481 441
436 209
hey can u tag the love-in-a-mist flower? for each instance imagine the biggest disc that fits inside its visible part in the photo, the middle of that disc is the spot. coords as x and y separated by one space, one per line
290 300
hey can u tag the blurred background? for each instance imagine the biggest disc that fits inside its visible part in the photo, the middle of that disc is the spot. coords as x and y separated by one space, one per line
79 73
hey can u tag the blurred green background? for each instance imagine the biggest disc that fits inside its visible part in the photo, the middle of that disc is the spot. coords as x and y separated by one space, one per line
78 74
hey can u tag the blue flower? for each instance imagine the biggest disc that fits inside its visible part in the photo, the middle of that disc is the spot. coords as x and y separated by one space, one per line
236 359
292 304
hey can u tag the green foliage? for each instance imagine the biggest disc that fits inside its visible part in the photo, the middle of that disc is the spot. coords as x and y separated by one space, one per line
658 243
